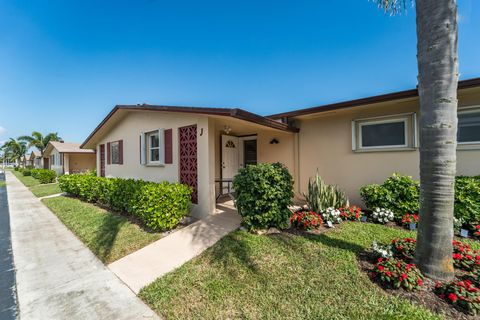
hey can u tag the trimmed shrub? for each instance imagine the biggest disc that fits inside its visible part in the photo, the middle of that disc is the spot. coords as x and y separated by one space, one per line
44 175
160 206
467 199
401 195
263 193
398 193
27 172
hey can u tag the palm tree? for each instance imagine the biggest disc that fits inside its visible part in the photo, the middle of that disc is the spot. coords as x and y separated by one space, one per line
39 141
14 150
437 60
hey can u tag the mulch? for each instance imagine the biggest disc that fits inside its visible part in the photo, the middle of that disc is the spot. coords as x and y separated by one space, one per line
424 297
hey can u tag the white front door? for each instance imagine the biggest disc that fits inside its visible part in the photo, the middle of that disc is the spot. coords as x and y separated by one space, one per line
230 152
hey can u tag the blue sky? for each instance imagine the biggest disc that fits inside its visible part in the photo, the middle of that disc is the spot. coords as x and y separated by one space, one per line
65 64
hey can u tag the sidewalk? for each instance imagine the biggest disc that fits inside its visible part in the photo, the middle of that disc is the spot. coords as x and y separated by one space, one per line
147 264
57 276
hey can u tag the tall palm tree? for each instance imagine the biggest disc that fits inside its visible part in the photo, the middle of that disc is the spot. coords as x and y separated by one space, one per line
437 60
39 141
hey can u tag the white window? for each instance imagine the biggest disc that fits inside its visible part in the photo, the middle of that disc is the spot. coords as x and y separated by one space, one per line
384 133
468 126
114 152
152 145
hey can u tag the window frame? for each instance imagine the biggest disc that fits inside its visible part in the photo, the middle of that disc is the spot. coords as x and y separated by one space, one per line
118 151
410 132
149 148
468 144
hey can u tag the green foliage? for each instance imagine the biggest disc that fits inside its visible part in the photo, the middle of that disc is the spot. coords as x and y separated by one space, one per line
404 248
321 196
160 206
463 294
401 195
27 172
263 193
398 193
467 199
44 175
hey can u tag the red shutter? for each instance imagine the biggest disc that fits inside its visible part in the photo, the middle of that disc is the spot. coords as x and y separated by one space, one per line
120 152
108 153
168 146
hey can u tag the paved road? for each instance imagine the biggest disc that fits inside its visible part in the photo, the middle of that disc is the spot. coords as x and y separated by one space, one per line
57 276
8 301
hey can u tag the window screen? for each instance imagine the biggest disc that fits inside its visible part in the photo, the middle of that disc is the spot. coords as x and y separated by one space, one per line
384 134
468 127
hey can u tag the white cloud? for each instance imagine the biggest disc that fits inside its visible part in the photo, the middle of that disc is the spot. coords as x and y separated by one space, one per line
2 130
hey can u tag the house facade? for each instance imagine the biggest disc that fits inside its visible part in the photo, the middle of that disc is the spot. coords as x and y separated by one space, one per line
351 144
68 157
35 160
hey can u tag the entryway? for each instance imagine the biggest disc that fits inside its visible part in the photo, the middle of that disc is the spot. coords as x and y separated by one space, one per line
237 153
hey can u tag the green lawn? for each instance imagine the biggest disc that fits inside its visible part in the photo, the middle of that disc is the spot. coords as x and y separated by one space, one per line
45 189
282 277
108 235
28 181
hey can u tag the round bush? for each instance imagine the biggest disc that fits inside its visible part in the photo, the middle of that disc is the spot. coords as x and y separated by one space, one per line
263 193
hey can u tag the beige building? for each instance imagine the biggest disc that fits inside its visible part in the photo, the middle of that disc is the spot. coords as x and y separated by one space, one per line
351 144
35 159
68 157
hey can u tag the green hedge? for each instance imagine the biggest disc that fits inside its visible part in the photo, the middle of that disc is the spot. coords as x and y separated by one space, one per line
263 193
401 195
160 206
44 175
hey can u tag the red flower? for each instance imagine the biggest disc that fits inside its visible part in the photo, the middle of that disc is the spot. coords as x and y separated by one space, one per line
452 297
404 276
457 256
419 282
381 268
388 274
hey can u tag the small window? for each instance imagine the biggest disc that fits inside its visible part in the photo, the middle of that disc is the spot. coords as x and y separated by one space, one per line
114 153
153 147
376 134
468 126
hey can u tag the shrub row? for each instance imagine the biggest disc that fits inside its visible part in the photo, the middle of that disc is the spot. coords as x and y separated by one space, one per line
401 195
44 175
160 206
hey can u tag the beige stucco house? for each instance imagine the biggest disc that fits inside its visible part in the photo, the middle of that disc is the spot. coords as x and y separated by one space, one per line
68 157
351 143
35 159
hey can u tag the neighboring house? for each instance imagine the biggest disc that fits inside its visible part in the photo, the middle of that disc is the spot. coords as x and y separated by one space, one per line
35 159
67 157
351 144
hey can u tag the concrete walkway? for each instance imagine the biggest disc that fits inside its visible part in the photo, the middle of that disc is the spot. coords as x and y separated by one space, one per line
57 276
147 264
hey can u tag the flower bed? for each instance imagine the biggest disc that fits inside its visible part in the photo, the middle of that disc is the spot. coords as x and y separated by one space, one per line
464 257
381 215
353 213
461 294
398 274
404 248
331 215
307 220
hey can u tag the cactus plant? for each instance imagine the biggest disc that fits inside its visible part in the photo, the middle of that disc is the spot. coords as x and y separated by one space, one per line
321 196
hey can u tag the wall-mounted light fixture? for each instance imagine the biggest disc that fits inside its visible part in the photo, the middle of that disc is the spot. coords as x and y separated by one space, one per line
227 129
274 141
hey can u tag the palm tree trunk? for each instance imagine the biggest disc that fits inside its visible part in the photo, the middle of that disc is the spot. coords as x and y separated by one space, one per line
437 87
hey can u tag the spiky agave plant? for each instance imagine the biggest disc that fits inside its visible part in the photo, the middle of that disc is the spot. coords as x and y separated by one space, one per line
321 196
